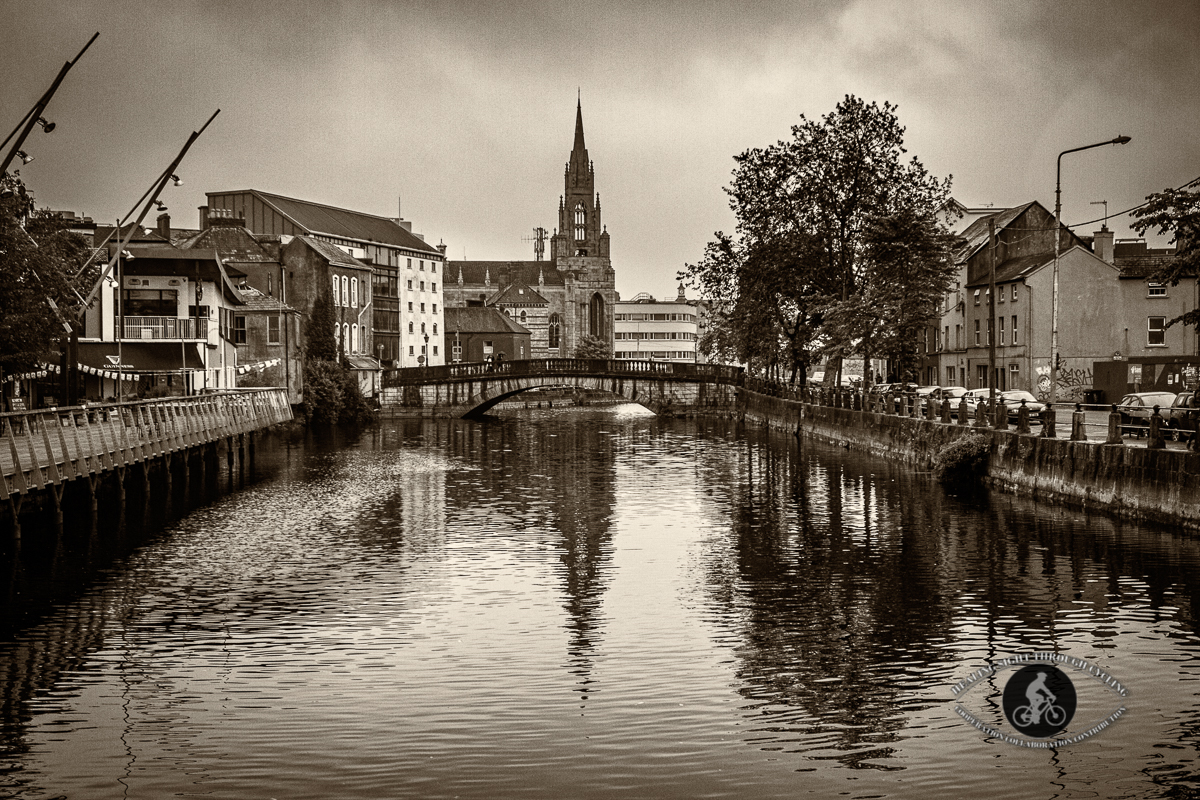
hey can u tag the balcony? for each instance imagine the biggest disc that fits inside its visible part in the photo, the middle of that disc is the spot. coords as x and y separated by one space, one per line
165 328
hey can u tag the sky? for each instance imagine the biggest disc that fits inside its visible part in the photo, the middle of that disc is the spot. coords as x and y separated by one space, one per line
460 116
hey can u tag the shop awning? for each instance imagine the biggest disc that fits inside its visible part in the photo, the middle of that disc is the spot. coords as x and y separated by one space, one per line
140 356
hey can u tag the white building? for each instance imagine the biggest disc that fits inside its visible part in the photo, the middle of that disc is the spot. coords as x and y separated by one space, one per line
659 330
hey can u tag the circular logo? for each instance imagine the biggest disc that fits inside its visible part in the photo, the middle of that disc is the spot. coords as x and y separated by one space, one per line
1039 700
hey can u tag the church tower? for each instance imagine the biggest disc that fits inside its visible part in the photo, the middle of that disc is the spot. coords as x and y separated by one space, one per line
580 230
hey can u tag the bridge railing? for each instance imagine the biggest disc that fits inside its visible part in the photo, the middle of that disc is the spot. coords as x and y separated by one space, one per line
53 445
541 367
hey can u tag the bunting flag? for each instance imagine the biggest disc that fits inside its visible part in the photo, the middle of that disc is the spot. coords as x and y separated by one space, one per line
42 371
259 367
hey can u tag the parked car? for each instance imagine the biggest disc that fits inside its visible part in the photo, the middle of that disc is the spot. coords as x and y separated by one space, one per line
1012 401
1137 408
950 394
1183 415
972 398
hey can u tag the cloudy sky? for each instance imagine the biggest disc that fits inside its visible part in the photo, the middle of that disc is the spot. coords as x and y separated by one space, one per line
461 114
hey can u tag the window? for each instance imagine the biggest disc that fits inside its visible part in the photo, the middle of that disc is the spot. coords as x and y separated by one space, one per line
346 336
1014 329
435 308
410 348
1000 295
410 284
487 347
1001 326
1156 332
354 338
410 327
976 297
345 291
239 329
421 264
435 349
422 327
946 338
977 340
433 286
1156 290
580 223
204 312
422 286
354 292
1014 293
337 291
422 308
1014 370
949 376
958 337
273 330
524 318
410 267
410 305
435 329
433 268
555 326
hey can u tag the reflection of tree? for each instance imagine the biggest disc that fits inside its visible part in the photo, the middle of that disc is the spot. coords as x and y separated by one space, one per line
849 578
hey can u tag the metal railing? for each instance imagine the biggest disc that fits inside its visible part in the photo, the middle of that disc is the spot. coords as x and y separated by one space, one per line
135 328
565 367
53 445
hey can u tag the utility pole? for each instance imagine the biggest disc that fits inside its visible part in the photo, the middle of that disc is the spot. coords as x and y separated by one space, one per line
991 333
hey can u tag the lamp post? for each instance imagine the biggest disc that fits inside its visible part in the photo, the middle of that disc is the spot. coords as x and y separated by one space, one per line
1057 248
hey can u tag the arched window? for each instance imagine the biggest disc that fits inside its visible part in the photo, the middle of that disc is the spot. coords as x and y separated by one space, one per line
422 327
354 338
345 291
555 327
337 291
354 292
435 328
410 327
596 326
345 336
580 223
523 318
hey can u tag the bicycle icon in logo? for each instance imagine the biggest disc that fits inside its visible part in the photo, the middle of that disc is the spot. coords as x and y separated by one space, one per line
1039 700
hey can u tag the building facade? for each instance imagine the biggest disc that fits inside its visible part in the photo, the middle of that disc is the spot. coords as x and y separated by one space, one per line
657 330
407 273
575 288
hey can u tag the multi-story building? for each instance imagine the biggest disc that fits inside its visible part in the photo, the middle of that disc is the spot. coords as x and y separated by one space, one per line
659 330
407 274
567 297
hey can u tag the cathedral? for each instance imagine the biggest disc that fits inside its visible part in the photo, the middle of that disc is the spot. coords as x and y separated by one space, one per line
560 300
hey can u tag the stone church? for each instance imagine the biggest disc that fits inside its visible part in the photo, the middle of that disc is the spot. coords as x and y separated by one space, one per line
564 298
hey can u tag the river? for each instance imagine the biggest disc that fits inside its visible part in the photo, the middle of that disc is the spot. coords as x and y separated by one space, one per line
596 603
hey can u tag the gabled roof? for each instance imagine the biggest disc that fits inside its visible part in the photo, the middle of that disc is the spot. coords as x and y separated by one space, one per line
340 222
231 242
976 234
518 294
1014 269
335 255
258 301
480 320
137 234
527 272
161 261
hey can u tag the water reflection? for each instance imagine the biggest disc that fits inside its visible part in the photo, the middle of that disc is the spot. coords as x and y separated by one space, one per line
596 604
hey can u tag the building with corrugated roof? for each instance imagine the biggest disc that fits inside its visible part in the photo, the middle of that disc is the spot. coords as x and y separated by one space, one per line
406 271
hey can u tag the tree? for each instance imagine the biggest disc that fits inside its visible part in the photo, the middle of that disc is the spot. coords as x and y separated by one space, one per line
320 342
593 347
38 262
802 276
1177 212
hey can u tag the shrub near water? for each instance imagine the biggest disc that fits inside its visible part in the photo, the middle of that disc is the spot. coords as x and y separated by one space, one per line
964 460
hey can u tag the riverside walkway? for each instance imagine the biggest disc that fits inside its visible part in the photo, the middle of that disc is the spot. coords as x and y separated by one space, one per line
50 447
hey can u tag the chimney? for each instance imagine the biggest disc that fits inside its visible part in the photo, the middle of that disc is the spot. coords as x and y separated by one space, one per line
203 218
164 225
1102 244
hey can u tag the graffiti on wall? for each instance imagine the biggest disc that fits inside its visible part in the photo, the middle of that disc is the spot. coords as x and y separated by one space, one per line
1072 383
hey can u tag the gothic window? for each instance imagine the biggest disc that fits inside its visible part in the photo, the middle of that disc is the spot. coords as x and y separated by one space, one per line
354 292
555 327
345 291
337 290
596 324
580 223
523 318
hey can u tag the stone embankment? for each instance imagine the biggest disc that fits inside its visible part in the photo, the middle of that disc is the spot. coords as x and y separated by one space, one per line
1161 485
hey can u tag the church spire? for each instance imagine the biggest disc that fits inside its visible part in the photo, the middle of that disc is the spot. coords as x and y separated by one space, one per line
579 145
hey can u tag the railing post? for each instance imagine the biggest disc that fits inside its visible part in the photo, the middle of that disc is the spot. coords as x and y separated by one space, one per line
980 415
1078 431
1114 427
999 415
1023 419
1155 440
1048 421
945 409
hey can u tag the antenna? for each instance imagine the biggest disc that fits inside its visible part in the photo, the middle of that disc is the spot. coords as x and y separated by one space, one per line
539 242
1105 204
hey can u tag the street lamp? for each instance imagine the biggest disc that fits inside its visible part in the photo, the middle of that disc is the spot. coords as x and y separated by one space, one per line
1057 247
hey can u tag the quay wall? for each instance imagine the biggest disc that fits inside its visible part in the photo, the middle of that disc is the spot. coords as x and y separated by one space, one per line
1131 482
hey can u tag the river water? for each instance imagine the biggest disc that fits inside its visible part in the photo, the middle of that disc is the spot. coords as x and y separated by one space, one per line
578 603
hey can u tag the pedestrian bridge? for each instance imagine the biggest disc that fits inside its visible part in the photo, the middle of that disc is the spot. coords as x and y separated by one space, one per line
460 390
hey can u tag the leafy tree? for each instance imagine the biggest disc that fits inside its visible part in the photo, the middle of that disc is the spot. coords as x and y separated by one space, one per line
593 347
807 272
38 262
319 340
332 395
1177 212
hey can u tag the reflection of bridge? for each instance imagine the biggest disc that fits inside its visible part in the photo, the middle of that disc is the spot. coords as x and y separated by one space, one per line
459 390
